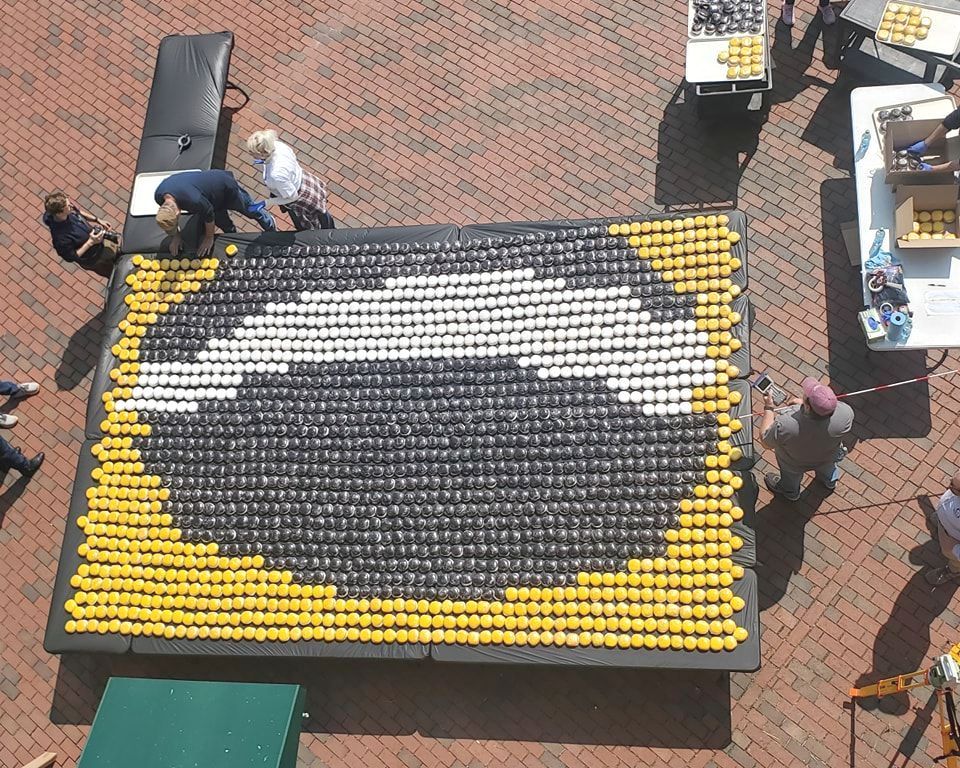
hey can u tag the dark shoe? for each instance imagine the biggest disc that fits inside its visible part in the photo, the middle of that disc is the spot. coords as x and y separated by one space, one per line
773 485
940 576
33 465
267 222
786 15
829 486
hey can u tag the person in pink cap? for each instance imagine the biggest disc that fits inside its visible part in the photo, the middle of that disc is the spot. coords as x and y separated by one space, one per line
806 434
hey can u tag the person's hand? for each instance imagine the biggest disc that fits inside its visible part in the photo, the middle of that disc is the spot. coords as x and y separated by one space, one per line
96 236
206 245
924 167
257 207
768 401
175 244
106 225
919 148
795 401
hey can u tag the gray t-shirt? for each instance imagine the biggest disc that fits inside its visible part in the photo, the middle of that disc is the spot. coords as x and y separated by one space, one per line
803 442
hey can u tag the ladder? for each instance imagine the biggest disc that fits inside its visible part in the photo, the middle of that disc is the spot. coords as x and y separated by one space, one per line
944 678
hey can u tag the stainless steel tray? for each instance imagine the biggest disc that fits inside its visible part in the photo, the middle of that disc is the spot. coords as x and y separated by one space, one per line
726 35
924 109
944 36
702 65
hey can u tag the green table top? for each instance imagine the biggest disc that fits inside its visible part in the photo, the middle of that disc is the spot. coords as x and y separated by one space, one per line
186 724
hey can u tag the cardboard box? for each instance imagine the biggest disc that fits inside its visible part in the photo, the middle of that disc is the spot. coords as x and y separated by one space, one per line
911 199
851 239
909 132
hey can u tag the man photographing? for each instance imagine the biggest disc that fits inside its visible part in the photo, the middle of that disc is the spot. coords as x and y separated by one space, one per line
210 195
807 435
80 237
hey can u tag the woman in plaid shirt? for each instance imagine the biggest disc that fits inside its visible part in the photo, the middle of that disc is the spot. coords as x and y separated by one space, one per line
298 192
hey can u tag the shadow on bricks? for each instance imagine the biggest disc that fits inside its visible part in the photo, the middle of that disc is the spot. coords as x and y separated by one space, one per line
698 161
780 529
12 493
851 366
790 64
80 356
903 642
613 707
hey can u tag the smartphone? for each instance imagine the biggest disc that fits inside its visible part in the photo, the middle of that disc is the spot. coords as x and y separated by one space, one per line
764 385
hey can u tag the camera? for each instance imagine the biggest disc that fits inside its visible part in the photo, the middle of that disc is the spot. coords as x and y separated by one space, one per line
113 237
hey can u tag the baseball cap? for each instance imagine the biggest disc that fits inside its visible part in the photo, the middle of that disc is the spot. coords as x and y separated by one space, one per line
168 217
820 396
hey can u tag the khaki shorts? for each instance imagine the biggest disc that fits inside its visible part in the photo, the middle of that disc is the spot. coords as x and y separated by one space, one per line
103 266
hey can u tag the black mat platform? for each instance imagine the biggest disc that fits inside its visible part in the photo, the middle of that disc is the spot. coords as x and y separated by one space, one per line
189 82
556 476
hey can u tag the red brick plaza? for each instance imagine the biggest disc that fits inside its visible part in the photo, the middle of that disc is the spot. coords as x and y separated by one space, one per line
422 111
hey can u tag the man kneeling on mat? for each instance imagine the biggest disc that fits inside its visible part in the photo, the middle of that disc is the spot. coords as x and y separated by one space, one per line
210 194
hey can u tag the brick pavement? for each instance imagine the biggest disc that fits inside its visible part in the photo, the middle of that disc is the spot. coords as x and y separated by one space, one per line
430 112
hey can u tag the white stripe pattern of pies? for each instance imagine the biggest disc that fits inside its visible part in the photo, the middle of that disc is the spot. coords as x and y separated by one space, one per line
561 332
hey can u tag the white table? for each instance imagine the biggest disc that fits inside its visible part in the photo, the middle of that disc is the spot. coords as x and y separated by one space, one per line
924 271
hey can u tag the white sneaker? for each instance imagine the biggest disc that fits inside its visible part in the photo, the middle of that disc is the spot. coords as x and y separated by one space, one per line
786 14
8 420
829 15
27 389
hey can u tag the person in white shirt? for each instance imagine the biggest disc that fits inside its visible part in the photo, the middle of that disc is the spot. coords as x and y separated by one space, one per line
298 192
948 530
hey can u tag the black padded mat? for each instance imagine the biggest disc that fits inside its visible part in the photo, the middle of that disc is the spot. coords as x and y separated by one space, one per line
298 649
744 658
117 309
189 81
741 332
56 639
473 234
267 243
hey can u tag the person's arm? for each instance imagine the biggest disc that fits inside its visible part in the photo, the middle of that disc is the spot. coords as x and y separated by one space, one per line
206 245
280 200
70 252
769 416
92 241
90 217
942 167
950 123
283 190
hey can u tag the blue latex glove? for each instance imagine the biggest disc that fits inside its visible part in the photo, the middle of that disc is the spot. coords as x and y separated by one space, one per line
920 148
257 207
925 167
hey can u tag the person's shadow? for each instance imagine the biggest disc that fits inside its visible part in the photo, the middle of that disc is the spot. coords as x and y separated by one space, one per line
12 493
780 529
903 643
790 64
81 354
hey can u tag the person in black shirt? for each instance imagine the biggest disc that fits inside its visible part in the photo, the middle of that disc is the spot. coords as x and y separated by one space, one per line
209 194
80 237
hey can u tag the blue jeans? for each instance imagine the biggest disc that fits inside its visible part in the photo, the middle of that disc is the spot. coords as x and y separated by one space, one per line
8 388
11 458
241 204
827 473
